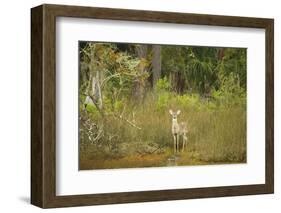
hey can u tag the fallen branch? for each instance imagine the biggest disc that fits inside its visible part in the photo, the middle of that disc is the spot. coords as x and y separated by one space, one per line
142 153
126 120
156 149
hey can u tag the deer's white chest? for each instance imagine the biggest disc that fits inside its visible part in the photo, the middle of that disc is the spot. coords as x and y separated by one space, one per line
175 127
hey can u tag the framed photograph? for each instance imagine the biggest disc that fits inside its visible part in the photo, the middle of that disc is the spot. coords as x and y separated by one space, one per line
136 106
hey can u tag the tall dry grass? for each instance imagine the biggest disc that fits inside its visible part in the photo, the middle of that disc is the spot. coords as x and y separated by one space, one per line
217 133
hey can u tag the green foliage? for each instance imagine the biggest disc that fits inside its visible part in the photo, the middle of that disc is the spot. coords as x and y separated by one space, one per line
230 91
163 100
163 84
202 67
190 101
202 74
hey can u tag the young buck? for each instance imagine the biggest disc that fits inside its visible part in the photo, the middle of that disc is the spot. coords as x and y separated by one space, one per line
178 130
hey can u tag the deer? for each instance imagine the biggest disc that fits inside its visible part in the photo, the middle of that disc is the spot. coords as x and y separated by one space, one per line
178 130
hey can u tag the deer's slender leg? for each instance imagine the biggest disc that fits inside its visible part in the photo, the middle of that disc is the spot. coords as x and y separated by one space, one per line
183 142
175 139
178 143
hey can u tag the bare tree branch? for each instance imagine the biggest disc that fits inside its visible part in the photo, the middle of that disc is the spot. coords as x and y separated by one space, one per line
126 120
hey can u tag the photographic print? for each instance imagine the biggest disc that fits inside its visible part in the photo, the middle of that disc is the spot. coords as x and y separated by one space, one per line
153 105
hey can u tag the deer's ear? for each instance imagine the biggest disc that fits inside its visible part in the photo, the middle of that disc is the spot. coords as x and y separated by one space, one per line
178 112
171 112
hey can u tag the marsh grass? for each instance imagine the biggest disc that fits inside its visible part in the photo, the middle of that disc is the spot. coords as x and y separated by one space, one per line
217 133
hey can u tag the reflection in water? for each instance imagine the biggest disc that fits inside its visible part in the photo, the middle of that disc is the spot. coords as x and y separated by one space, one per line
172 161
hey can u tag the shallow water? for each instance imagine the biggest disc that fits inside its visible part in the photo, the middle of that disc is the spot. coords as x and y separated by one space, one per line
173 160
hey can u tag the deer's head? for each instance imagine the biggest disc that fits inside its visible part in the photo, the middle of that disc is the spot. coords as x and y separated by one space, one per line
174 114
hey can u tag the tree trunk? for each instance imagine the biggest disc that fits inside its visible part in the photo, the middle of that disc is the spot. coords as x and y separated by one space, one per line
141 51
220 54
180 83
96 77
156 64
139 87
